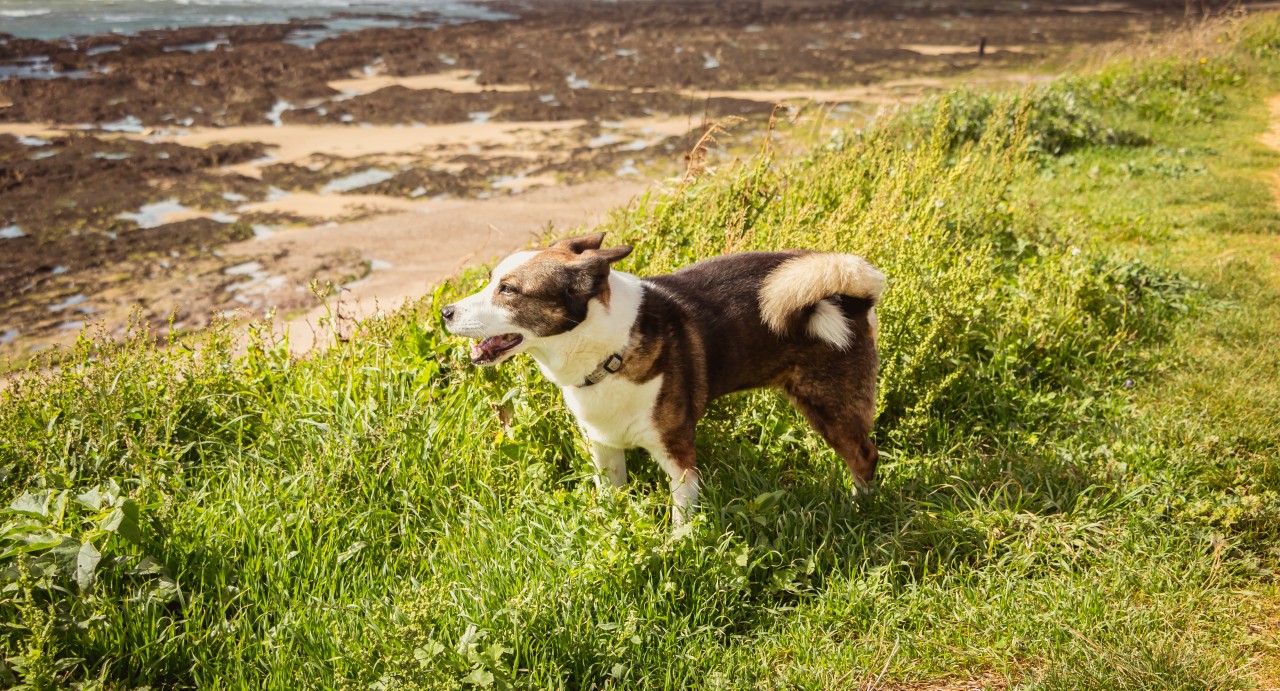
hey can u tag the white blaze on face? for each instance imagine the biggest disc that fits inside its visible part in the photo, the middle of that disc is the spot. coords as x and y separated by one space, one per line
477 317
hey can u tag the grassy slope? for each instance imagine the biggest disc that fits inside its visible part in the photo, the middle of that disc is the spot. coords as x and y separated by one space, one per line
1079 489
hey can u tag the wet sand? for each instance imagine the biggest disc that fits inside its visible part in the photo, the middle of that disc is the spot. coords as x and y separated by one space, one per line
409 252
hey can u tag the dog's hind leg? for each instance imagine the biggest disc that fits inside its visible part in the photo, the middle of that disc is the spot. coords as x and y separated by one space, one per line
843 417
610 463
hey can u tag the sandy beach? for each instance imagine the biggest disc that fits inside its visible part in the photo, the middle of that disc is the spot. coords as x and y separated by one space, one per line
203 171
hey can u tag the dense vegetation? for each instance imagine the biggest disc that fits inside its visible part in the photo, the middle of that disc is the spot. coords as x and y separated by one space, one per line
1079 480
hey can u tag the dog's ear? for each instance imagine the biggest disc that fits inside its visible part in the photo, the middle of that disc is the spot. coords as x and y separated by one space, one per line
611 254
580 244
588 278
593 267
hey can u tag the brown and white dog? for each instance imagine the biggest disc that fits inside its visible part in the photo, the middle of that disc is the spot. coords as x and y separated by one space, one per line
638 360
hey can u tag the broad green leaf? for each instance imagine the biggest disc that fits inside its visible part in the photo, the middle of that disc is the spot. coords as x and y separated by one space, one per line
120 522
769 500
32 541
469 639
427 653
33 503
493 654
479 677
66 555
149 567
129 529
41 539
112 522
15 529
86 564
91 499
164 590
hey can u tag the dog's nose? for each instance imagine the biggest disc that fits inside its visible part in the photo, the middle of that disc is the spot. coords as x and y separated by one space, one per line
447 312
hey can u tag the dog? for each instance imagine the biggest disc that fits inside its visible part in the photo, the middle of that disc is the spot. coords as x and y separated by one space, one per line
639 359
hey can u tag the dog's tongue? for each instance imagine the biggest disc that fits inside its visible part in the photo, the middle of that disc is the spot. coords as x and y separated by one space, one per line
493 346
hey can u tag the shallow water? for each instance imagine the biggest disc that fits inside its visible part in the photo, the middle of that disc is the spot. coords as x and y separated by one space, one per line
200 47
49 19
68 303
364 178
154 215
278 110
128 124
36 67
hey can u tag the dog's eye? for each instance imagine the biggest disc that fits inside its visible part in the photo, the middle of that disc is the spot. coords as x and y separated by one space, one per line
506 289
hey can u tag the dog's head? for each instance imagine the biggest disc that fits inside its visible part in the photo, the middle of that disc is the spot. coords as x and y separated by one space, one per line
534 295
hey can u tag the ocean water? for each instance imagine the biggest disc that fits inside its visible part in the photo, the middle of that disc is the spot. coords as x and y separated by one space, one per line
51 19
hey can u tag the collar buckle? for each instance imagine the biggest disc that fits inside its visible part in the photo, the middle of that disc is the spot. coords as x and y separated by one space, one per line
611 365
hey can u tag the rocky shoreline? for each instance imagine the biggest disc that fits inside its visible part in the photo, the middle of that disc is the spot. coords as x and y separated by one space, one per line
122 180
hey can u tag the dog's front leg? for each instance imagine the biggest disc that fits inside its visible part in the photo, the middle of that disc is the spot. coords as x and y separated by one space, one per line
611 464
678 461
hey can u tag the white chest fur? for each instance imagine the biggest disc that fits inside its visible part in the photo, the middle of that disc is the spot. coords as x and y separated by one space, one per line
617 412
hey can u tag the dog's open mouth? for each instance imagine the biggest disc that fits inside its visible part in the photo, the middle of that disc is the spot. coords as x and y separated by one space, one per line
491 349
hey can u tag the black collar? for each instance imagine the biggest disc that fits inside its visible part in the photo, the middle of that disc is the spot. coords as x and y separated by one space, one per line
611 364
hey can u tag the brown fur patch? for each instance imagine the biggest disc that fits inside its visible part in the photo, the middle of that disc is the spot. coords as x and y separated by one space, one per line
702 330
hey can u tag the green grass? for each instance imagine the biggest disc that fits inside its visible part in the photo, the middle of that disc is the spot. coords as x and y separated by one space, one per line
1079 485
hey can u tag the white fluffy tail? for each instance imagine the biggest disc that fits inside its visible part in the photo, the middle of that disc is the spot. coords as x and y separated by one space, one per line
807 281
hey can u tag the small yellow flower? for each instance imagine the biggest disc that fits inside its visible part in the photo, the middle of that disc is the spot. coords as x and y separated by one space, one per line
1204 60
